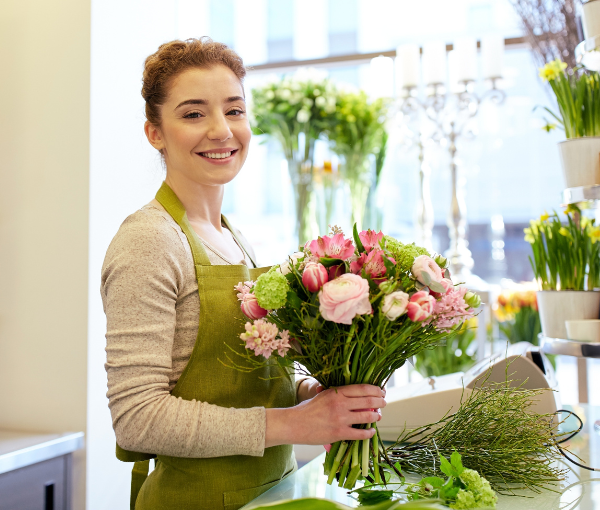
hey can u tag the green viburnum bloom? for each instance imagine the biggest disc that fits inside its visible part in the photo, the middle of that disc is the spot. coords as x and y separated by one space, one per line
271 289
478 493
403 254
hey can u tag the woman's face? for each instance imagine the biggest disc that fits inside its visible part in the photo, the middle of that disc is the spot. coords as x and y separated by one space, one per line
204 133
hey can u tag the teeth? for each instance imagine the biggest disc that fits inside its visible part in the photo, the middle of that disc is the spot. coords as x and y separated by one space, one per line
216 155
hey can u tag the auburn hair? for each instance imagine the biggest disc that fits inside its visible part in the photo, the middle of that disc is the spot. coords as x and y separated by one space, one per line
174 57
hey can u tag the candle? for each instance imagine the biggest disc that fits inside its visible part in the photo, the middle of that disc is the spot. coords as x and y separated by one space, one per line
453 82
382 77
466 59
434 63
408 57
492 56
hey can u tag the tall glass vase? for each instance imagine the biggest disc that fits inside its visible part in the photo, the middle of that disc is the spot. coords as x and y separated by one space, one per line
357 172
301 175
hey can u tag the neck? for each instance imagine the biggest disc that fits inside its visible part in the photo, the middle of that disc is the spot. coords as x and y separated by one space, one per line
202 203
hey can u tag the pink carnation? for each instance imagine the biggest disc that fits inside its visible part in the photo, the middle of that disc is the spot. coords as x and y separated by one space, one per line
335 247
370 239
262 338
451 309
344 298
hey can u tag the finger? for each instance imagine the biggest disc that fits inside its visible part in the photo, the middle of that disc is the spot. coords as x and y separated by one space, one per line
361 390
354 434
364 417
319 389
355 404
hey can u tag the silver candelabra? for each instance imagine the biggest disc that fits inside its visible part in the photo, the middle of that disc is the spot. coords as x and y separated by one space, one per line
449 115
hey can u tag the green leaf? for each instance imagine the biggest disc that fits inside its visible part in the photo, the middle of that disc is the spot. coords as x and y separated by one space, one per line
359 244
456 461
372 497
426 278
434 481
437 287
328 262
446 467
293 299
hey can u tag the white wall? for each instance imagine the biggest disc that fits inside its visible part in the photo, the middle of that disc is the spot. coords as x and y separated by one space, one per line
44 143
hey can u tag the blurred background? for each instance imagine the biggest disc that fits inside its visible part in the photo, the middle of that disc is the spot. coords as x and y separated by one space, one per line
76 163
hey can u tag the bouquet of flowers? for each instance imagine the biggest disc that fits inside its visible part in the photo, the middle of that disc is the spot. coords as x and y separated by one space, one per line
352 311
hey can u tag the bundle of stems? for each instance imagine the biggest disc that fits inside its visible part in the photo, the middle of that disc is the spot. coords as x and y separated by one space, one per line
497 433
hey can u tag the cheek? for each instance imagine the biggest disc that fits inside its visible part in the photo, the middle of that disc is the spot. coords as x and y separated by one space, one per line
243 134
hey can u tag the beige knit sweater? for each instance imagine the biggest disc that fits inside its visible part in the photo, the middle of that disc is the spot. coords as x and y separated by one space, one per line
150 296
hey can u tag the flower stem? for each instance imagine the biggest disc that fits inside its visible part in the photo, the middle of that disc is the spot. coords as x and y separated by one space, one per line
330 457
365 454
336 462
376 457
344 470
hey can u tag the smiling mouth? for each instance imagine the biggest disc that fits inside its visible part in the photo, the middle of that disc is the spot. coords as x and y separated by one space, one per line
217 155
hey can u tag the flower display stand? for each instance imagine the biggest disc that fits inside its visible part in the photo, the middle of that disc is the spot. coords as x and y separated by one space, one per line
580 350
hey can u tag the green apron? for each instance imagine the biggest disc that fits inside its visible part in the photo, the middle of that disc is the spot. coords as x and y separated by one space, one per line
221 482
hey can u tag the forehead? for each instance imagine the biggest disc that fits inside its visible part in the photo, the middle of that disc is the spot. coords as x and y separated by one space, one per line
216 82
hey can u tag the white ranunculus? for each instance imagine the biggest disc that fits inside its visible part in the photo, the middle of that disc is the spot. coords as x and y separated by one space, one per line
285 267
394 304
320 101
303 116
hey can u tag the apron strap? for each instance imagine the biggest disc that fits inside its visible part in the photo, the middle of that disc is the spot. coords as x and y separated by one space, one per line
240 241
139 473
168 199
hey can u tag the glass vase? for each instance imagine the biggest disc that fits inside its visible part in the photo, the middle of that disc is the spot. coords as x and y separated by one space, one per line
302 184
357 171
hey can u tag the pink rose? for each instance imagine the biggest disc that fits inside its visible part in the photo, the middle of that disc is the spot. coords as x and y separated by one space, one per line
370 239
426 270
251 308
420 306
314 276
344 298
335 247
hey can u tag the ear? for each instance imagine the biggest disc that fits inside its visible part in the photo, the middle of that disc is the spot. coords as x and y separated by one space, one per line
154 135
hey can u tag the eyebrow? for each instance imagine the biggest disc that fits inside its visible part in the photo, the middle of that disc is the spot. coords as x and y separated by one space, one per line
231 99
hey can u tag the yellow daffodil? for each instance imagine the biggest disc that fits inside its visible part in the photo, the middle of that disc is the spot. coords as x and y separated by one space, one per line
571 209
595 234
528 237
544 217
564 232
549 127
552 70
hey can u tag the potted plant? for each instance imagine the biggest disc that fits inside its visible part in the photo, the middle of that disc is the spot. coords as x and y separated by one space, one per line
578 97
566 264
296 111
358 136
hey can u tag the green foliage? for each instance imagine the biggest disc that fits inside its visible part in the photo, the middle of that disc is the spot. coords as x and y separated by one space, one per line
450 357
578 98
524 327
497 433
564 255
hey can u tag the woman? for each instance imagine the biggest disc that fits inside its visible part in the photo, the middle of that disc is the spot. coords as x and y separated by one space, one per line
221 437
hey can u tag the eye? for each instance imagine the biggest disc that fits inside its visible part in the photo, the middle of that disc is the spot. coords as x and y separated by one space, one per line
192 115
236 112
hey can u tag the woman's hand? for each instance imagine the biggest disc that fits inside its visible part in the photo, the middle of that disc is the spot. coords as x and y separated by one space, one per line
326 418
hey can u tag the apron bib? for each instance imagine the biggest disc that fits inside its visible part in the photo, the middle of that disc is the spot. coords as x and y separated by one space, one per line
222 482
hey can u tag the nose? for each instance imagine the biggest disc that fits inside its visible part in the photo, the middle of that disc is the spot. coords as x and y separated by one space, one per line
219 128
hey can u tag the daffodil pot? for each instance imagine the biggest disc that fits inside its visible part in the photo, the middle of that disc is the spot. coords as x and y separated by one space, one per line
558 306
591 18
580 159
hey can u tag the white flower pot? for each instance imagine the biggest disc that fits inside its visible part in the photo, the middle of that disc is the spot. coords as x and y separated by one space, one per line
557 306
581 160
591 18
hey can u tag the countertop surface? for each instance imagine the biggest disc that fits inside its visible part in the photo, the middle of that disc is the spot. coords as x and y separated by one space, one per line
580 489
19 449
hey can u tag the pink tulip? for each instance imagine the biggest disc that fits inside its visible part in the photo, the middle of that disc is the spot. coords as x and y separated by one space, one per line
335 247
420 306
344 298
251 308
314 276
370 239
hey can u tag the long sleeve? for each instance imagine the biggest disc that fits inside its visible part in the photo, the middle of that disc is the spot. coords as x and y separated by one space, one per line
149 292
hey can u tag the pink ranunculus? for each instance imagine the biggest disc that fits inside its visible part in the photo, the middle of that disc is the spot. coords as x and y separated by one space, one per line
425 264
251 308
394 305
335 247
336 271
314 276
344 298
420 306
370 239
